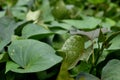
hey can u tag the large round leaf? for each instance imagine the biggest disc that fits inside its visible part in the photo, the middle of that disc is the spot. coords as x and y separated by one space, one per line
32 55
111 71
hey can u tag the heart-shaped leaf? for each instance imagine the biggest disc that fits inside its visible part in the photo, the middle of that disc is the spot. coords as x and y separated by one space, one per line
112 70
32 55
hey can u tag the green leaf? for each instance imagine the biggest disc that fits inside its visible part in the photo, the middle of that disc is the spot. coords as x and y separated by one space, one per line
96 1
115 43
87 53
33 15
101 37
60 25
19 12
3 57
46 11
86 76
22 3
35 31
11 3
111 71
58 40
73 47
86 23
11 66
7 27
82 67
58 30
92 34
2 13
60 10
108 23
112 39
32 56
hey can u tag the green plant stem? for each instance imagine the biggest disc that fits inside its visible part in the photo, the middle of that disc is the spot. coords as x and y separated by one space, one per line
99 53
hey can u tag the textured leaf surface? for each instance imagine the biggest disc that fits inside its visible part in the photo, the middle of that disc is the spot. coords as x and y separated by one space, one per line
73 47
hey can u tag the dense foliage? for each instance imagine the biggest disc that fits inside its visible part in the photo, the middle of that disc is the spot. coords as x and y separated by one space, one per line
59 40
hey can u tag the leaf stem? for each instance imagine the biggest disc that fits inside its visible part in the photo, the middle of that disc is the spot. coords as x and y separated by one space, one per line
99 53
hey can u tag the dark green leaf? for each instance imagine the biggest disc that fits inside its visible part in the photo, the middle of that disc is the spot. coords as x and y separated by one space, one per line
101 37
4 57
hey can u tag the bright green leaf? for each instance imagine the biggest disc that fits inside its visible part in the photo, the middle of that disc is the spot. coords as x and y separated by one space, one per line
11 66
96 1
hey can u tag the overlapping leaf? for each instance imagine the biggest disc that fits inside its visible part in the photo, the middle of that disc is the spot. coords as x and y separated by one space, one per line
31 56
35 31
7 27
111 71
86 23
